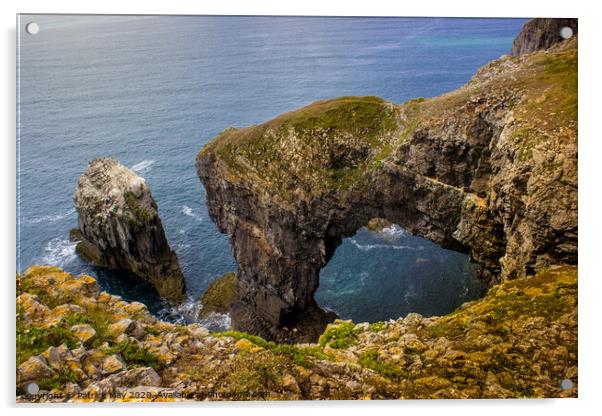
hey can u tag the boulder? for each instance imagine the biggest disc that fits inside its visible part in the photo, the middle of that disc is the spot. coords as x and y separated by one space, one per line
113 364
219 295
34 369
85 333
32 309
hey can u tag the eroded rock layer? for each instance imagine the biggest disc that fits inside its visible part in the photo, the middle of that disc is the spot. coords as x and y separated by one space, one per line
489 169
119 227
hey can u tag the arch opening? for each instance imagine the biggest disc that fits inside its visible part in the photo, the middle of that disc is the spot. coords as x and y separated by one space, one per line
384 272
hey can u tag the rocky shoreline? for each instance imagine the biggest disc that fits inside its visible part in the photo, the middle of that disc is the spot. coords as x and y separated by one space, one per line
77 343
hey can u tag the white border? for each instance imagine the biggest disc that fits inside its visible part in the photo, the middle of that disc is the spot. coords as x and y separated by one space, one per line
590 147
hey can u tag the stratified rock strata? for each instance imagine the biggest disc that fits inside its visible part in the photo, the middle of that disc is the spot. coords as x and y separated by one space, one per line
489 170
520 340
119 227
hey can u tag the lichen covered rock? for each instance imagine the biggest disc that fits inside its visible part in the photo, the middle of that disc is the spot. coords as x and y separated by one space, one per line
219 295
119 227
520 340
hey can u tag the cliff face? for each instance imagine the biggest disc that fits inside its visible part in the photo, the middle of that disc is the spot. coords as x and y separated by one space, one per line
80 344
489 169
119 227
541 34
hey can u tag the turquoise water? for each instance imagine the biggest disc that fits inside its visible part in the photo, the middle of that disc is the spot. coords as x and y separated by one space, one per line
152 90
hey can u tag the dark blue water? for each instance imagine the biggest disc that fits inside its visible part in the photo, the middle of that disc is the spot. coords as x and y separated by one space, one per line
151 91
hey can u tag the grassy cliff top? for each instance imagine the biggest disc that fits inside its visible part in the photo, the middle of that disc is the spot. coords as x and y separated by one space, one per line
333 145
520 340
325 145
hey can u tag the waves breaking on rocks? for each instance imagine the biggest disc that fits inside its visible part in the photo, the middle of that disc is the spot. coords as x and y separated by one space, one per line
188 312
59 252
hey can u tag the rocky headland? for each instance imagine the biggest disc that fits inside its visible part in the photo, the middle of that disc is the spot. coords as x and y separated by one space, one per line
77 343
119 227
489 170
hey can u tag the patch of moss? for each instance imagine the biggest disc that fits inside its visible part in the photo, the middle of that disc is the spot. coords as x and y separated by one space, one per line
219 294
63 376
100 320
244 377
339 335
299 355
134 355
140 215
34 341
378 326
370 359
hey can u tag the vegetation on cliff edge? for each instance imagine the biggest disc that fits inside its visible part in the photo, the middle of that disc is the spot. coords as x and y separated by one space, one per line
520 340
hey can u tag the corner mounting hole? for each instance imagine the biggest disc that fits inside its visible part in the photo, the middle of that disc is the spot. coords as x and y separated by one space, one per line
32 28
566 384
566 32
32 388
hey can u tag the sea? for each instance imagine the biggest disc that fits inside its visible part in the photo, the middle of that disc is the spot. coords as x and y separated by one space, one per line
152 90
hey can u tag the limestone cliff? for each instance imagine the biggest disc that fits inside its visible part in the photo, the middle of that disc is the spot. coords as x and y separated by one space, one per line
77 343
541 34
489 169
119 227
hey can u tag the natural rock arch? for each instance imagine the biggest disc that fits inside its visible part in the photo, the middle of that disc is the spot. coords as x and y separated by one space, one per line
477 170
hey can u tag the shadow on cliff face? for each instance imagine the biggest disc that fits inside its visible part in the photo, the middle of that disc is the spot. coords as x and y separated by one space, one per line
383 272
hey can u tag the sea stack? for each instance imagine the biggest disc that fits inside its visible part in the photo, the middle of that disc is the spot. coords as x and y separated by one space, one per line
119 227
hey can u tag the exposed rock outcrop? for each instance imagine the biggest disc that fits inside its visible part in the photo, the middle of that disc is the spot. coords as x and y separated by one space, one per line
119 227
219 295
489 170
541 34
520 340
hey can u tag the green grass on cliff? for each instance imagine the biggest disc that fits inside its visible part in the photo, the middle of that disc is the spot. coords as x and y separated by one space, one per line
339 336
134 355
299 355
327 144
549 108
34 341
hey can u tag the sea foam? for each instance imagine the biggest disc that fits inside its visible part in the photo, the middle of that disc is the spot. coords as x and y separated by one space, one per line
186 210
143 166
59 252
50 218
